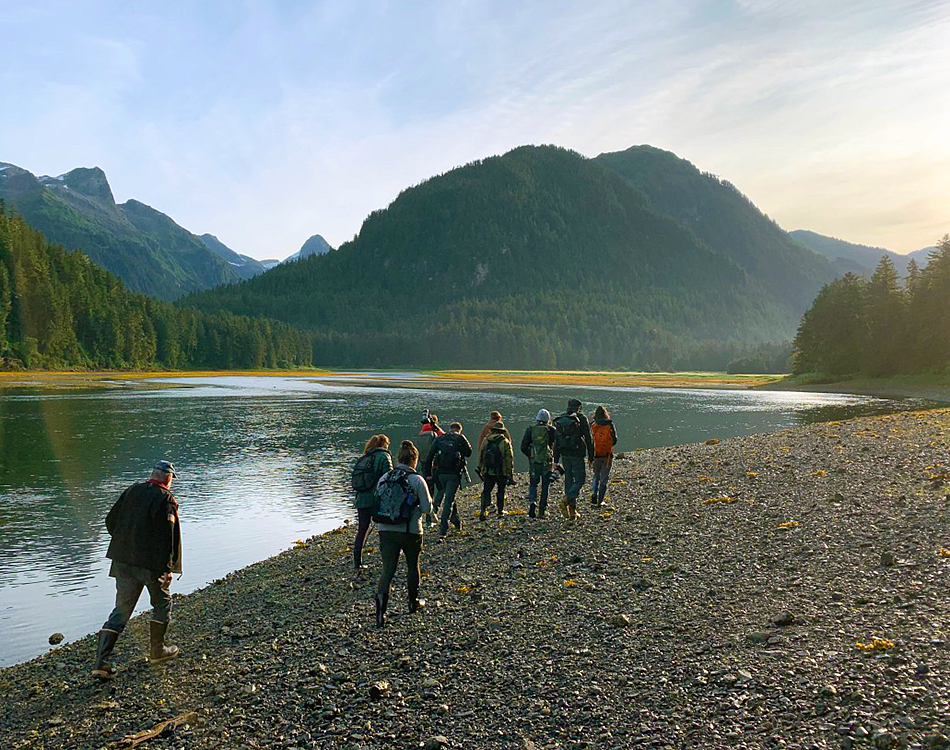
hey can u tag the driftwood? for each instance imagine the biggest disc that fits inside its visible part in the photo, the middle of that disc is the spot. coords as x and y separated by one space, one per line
134 740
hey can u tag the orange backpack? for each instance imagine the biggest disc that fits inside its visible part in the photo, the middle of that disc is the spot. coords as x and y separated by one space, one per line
603 439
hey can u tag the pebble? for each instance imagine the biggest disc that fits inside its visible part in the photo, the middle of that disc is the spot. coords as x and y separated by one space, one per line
670 634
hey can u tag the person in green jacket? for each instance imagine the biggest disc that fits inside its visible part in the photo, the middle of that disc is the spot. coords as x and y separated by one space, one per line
375 461
538 445
496 467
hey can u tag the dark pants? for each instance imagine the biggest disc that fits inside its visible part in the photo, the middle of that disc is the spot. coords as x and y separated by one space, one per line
364 517
540 474
492 483
598 484
437 489
129 582
391 543
575 476
450 486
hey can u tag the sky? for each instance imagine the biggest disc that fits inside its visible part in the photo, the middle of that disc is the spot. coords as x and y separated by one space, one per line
264 123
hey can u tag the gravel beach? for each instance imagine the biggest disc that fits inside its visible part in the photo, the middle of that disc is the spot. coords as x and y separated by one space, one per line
786 590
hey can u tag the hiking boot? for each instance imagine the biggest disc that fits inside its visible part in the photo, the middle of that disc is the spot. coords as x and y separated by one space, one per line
565 509
102 669
416 604
157 650
540 514
455 520
593 502
482 515
380 610
531 511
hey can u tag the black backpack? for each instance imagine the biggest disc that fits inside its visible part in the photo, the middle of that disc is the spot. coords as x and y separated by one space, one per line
365 473
395 499
568 428
448 457
492 458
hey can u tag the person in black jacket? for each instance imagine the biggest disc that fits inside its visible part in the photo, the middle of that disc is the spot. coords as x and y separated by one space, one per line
573 442
145 550
446 459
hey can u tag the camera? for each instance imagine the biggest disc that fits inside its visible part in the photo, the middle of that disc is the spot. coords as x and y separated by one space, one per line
556 473
426 417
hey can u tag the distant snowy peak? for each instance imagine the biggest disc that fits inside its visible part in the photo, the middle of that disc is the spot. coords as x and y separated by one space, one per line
245 266
316 245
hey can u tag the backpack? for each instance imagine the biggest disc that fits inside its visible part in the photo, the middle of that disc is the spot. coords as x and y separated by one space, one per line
395 499
603 439
492 458
568 428
541 452
447 458
365 473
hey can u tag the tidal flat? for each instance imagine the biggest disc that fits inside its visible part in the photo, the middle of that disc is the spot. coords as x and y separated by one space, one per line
780 590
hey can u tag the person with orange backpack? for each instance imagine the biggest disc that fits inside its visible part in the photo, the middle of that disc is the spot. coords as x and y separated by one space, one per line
604 433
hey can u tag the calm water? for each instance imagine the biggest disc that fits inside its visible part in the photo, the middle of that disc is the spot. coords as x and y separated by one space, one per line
263 462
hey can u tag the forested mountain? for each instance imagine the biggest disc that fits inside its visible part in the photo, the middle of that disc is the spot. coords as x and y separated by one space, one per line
879 326
140 245
540 258
859 259
243 265
726 221
315 245
58 309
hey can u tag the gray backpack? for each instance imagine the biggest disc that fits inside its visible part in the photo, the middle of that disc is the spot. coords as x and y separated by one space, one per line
395 499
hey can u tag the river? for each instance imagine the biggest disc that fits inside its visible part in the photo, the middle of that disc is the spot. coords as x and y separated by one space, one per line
264 461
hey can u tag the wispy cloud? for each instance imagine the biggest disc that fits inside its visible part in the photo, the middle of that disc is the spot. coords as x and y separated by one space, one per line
265 123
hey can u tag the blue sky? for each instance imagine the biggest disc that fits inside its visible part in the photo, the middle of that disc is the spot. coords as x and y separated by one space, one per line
264 123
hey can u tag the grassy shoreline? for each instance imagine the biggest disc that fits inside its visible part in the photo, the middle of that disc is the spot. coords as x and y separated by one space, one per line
447 378
931 387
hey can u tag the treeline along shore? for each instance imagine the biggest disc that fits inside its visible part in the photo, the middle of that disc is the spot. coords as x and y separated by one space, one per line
786 590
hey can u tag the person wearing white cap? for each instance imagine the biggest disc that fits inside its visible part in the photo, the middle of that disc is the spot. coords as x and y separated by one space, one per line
538 445
145 550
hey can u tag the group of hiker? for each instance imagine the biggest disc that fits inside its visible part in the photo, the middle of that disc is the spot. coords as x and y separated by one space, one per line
406 497
400 496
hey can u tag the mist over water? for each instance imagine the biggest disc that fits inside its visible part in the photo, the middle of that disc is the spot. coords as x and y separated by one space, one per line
263 461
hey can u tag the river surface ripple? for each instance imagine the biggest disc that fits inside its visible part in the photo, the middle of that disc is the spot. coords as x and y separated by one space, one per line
263 461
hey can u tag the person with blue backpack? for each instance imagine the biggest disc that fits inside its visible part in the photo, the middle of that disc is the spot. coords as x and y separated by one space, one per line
573 442
375 461
402 497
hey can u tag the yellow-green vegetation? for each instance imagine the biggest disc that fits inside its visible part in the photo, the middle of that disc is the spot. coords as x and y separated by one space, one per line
608 378
128 379
878 644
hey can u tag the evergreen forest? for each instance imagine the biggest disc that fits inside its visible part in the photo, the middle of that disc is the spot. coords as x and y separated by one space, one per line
58 310
880 326
541 259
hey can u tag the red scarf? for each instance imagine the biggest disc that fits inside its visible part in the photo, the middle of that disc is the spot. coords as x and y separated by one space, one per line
164 487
